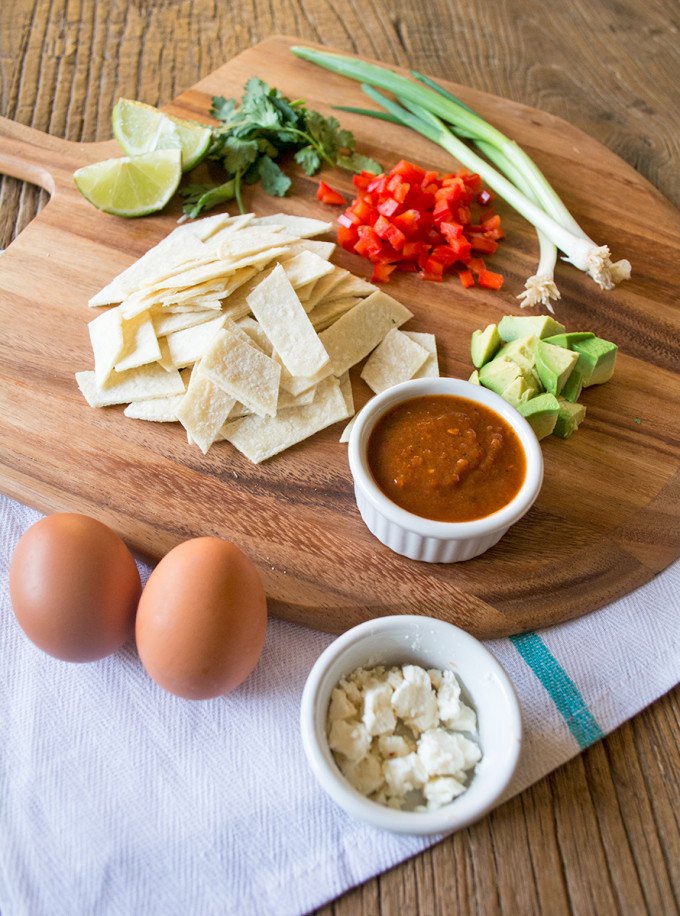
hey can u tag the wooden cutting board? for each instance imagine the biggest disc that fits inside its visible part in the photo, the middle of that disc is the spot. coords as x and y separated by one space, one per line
607 518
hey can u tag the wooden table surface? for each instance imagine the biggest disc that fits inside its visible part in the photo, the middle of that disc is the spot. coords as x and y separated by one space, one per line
601 834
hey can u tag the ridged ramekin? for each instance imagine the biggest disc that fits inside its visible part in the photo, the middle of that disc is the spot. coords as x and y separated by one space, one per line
425 539
408 639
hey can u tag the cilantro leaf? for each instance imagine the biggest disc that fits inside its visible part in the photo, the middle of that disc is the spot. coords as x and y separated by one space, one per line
238 154
274 181
200 197
254 131
355 162
309 159
222 108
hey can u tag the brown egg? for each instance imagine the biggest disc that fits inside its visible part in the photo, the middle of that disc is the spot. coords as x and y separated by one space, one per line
202 619
74 587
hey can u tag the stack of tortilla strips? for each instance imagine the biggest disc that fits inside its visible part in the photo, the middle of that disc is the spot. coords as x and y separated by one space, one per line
240 328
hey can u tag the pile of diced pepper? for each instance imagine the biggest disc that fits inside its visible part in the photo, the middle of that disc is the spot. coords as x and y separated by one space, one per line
414 220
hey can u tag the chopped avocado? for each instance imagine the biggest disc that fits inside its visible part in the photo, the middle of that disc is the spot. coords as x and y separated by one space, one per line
573 385
597 358
513 326
520 390
499 373
541 413
484 345
554 366
474 378
522 351
569 339
569 418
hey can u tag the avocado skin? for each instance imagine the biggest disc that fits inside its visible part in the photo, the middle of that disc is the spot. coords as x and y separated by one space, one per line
573 386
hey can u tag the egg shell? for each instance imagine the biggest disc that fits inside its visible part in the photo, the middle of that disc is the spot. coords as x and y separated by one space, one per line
74 587
202 619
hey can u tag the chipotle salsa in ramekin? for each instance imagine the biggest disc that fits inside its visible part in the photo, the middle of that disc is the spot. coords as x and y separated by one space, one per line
446 458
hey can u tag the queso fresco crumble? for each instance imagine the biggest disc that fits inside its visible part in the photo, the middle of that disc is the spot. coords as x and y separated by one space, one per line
402 736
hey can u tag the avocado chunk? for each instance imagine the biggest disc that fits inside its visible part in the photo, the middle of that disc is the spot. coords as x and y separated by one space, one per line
484 345
541 413
513 326
597 358
474 378
573 385
522 351
569 339
569 418
554 366
520 390
499 373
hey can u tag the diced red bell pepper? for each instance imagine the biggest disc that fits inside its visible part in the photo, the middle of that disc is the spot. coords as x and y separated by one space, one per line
466 278
482 245
389 207
411 219
381 273
450 230
362 180
390 233
349 218
328 195
414 174
489 280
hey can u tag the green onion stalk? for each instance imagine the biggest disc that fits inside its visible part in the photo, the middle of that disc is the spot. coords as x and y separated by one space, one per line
440 117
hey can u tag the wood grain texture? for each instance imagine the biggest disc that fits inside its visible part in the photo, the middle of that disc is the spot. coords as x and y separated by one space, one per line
607 518
609 68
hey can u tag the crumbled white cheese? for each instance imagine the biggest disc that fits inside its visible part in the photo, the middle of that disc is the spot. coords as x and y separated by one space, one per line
366 775
440 752
414 701
439 792
349 738
378 717
395 746
404 774
341 706
396 735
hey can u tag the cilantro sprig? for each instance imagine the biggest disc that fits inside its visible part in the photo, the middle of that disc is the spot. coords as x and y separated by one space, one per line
253 134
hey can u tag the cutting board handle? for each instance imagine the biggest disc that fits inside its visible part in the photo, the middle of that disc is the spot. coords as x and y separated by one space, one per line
44 160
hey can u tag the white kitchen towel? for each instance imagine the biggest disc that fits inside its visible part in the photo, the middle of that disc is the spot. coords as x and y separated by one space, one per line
117 798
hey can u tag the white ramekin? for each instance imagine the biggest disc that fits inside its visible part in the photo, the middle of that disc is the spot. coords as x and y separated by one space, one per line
424 539
413 639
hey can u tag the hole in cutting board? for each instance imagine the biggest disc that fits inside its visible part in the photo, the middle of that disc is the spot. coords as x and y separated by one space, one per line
20 202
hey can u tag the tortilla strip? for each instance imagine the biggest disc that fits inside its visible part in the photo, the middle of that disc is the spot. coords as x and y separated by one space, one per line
183 348
204 410
108 343
278 310
357 332
243 371
141 346
259 439
396 359
430 367
134 385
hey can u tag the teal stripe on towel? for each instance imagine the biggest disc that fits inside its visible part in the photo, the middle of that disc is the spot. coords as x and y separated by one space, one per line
562 690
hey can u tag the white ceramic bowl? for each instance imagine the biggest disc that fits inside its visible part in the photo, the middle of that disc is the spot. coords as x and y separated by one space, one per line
431 643
424 539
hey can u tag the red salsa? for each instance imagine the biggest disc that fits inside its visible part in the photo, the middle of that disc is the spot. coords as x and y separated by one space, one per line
446 458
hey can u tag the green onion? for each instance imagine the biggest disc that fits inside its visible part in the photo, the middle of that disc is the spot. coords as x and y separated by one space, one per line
525 188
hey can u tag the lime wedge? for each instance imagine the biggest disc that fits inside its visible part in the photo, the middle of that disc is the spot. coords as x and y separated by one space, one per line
141 128
132 185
